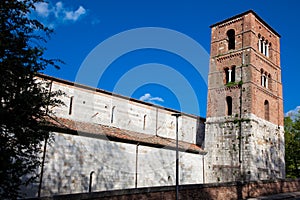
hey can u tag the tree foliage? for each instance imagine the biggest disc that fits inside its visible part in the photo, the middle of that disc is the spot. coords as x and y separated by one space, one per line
24 100
292 146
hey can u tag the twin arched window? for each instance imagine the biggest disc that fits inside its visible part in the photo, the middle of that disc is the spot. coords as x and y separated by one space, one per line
263 45
229 74
265 79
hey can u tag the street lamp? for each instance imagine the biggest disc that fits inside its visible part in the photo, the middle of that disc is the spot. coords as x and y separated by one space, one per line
177 159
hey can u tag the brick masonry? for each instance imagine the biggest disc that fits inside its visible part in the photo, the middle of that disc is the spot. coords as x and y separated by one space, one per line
247 144
221 191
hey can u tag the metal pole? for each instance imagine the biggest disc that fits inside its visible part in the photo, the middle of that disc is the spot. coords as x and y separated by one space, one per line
42 167
177 157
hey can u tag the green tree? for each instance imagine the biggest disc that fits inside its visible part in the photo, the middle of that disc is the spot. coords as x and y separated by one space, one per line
24 100
292 146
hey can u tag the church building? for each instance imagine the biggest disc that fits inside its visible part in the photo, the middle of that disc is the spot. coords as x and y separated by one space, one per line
105 141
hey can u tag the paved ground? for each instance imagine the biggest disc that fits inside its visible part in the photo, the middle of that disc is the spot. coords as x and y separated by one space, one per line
292 195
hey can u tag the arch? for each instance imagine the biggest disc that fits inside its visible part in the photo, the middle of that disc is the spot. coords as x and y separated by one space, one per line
231 39
229 105
267 48
262 45
267 110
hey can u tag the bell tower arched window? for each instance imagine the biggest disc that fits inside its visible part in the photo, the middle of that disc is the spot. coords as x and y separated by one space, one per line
263 45
266 79
267 110
229 105
231 39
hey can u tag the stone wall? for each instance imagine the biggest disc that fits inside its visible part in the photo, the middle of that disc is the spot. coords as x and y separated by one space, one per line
247 149
70 160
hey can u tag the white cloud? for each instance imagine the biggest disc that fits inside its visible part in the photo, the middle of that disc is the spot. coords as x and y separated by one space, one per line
148 98
293 113
42 9
58 9
58 13
74 15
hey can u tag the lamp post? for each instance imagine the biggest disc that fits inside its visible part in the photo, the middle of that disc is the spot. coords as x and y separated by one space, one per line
177 158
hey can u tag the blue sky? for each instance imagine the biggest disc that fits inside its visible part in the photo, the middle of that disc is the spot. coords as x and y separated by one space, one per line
82 27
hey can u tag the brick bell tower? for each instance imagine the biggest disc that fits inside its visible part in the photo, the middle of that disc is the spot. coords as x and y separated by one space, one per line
244 126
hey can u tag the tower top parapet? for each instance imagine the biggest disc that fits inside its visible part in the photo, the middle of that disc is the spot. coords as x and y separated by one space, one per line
245 13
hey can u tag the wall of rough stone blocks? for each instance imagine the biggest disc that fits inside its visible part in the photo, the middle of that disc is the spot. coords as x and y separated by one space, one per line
259 147
70 160
157 167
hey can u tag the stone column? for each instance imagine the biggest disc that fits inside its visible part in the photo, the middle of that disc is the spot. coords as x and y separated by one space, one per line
229 75
267 50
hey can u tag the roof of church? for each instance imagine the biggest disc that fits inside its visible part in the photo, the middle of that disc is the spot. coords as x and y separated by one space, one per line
244 13
119 135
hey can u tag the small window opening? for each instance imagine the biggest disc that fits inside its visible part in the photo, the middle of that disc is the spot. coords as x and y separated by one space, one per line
229 105
144 124
266 81
231 39
262 45
112 114
262 77
233 74
226 75
71 105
